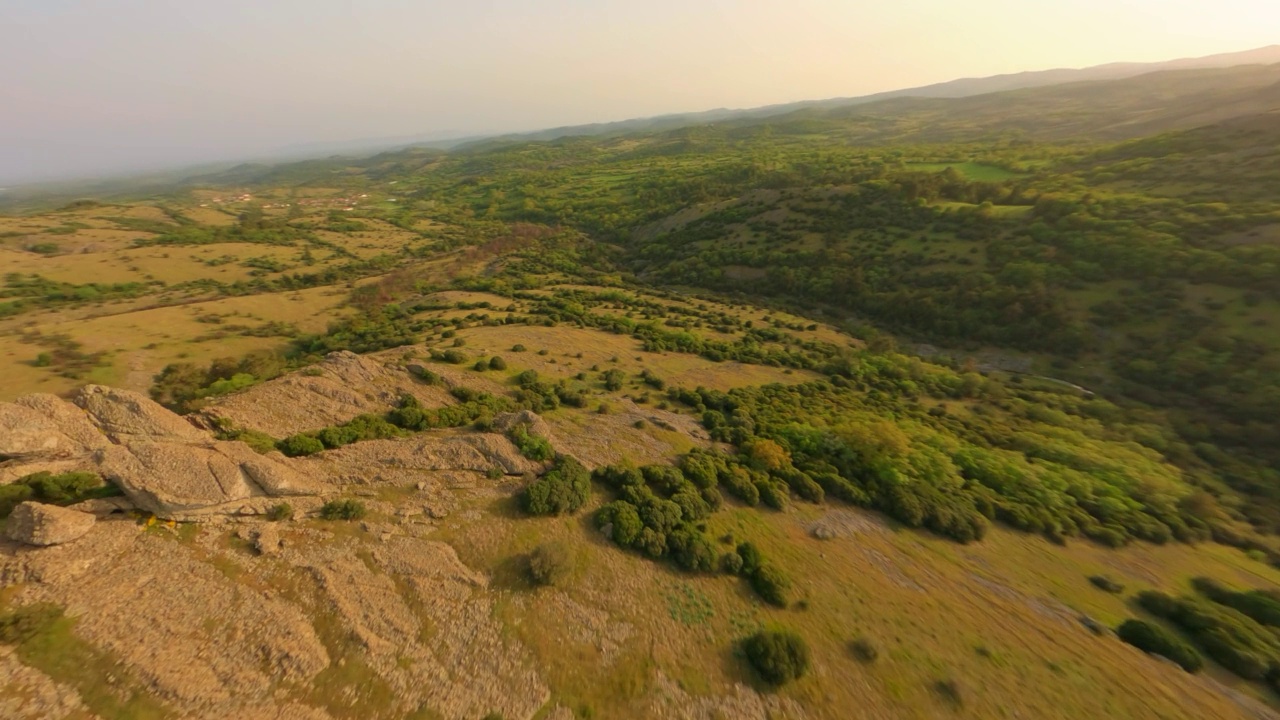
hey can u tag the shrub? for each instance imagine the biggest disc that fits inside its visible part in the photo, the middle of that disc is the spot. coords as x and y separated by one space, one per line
1102 582
549 563
531 446
864 650
779 656
613 379
258 441
497 363
625 520
25 622
63 489
949 690
361 427
731 563
1256 604
771 584
562 490
424 375
282 511
300 445
345 509
480 365
751 558
691 550
517 348
1158 641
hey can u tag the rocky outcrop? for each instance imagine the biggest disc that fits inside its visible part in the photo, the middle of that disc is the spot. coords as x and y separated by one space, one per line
26 434
343 386
125 416
531 420
177 481
404 461
70 420
44 525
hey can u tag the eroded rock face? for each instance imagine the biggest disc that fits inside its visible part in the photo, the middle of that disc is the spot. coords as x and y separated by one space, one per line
174 480
44 525
125 416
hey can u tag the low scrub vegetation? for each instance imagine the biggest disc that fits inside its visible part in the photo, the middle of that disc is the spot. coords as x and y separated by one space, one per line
344 509
54 489
1154 639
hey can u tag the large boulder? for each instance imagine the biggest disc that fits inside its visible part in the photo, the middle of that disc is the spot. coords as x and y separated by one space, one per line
44 525
26 434
126 416
69 419
174 480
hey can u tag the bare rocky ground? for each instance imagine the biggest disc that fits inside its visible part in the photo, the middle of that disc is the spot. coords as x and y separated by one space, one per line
215 612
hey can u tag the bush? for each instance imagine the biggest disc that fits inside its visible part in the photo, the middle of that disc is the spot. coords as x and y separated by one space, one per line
424 375
63 489
1102 582
1256 604
517 348
562 490
345 509
361 427
531 446
771 584
549 563
691 550
779 656
282 511
864 650
497 363
24 623
300 445
731 563
625 520
949 690
1158 641
451 356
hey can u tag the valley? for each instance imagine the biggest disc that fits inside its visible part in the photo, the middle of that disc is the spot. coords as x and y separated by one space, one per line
945 388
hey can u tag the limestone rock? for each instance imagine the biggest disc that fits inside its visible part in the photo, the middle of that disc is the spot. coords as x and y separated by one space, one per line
44 525
126 416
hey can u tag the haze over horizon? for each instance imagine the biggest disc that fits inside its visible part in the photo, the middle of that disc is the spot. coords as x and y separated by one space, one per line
97 88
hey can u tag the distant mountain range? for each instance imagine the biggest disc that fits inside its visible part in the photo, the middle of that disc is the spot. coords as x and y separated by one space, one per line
1110 101
962 88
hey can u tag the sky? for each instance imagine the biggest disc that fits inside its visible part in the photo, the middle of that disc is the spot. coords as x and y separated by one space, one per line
97 87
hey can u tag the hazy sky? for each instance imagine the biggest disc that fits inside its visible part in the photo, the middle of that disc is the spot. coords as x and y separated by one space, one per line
95 86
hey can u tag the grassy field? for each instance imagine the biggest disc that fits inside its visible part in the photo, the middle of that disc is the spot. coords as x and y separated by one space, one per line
1000 619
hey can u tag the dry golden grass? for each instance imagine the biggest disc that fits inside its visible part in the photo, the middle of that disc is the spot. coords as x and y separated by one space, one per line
140 343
